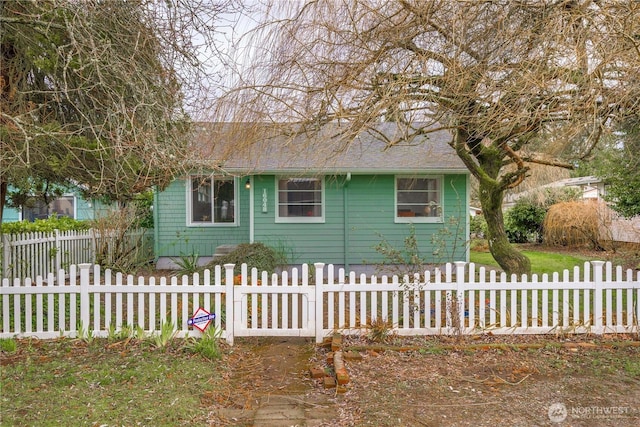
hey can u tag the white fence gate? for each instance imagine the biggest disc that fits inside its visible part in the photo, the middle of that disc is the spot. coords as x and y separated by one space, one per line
460 299
284 306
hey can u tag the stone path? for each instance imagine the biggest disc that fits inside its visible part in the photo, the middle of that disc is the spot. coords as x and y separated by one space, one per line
300 411
290 398
284 411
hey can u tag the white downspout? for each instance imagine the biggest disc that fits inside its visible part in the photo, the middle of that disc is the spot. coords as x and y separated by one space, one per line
468 220
251 211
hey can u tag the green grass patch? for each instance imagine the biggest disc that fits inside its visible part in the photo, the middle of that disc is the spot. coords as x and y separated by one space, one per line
541 262
8 345
71 382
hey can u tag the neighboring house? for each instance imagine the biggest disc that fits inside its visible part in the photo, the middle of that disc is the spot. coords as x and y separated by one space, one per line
322 198
70 204
591 187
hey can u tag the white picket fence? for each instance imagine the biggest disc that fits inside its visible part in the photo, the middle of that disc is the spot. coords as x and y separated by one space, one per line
459 299
41 253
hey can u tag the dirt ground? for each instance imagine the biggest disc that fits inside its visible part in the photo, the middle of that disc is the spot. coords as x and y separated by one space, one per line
446 381
487 381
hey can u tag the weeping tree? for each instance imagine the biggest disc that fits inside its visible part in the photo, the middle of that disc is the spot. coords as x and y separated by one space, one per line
517 83
101 94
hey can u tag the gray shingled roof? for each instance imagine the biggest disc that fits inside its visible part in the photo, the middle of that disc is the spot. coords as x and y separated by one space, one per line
327 151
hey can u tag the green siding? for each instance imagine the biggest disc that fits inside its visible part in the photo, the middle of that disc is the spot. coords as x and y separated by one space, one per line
175 238
10 215
371 218
84 209
307 242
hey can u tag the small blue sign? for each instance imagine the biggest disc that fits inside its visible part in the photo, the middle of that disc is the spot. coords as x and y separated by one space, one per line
201 319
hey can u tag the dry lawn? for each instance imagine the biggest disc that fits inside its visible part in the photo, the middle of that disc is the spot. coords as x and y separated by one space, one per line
487 381
484 383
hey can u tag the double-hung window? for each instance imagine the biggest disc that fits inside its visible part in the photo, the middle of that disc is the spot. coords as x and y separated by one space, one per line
300 200
419 199
212 200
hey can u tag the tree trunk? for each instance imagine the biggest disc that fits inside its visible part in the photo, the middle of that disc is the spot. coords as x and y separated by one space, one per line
508 257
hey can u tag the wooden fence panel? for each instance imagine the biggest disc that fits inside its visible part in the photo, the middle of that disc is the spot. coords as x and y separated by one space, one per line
85 300
38 253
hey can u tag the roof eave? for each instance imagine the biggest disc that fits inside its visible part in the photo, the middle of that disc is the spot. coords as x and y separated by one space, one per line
342 171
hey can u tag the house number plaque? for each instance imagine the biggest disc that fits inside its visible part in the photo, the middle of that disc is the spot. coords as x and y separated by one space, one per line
264 200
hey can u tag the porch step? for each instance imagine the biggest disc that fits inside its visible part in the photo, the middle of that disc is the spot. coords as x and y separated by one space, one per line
223 250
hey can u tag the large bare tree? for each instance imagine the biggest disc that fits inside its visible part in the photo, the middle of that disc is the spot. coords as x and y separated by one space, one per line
516 82
101 94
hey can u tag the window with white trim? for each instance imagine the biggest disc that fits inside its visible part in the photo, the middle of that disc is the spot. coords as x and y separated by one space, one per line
38 209
419 199
300 200
212 200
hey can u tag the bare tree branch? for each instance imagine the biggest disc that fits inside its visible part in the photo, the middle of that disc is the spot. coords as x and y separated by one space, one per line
520 83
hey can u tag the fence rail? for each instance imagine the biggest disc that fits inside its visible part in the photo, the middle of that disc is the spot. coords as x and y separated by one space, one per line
40 253
459 299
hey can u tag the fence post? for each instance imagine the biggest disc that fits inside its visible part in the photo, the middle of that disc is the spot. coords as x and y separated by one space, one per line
460 288
56 245
92 248
6 255
229 315
597 297
85 318
319 312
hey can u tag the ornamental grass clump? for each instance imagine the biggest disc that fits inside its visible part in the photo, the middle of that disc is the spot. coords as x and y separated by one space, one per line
208 345
164 336
576 224
379 330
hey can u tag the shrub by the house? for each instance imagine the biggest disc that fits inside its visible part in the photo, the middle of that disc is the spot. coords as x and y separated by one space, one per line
478 226
48 225
524 222
258 255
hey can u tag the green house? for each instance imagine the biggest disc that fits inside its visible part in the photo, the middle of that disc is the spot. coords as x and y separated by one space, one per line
70 204
326 198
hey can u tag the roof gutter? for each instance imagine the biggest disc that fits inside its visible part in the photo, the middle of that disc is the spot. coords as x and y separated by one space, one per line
308 171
